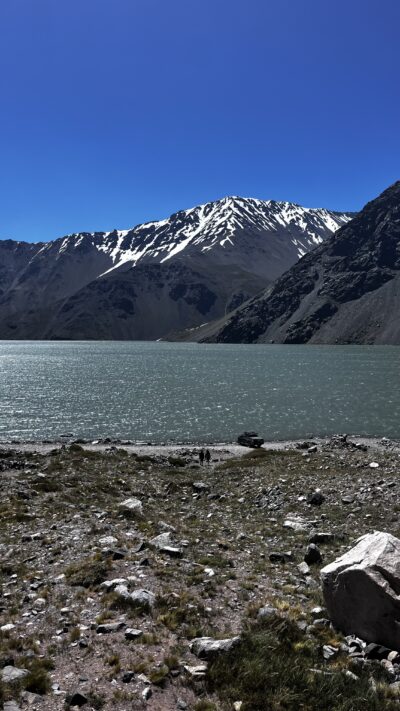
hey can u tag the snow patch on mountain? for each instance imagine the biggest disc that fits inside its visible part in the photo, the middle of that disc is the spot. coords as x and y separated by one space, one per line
218 225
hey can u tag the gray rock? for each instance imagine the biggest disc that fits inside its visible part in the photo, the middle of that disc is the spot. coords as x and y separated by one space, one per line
200 486
207 647
108 541
329 652
143 598
362 590
110 627
164 539
11 675
131 507
296 523
266 612
321 622
132 633
195 672
112 584
122 591
303 568
11 706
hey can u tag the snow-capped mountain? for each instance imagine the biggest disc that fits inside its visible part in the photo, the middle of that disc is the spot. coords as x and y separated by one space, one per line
216 226
196 265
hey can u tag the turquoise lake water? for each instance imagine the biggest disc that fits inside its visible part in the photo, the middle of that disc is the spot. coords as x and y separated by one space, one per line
163 392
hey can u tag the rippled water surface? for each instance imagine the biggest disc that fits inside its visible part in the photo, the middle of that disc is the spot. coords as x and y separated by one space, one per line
187 392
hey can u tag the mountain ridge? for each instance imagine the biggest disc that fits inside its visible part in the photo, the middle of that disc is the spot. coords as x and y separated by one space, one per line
347 290
220 253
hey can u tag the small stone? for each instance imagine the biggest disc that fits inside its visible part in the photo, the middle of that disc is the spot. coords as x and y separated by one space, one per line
108 541
127 677
110 627
8 627
207 647
321 622
172 551
374 465
78 699
131 507
112 584
316 498
280 557
266 612
164 539
303 568
200 486
209 571
312 554
329 652
296 523
132 633
146 693
196 672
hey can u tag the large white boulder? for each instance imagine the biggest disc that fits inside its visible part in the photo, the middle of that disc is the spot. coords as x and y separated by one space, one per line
362 589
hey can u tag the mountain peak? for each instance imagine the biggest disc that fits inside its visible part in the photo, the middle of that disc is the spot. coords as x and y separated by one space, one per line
345 291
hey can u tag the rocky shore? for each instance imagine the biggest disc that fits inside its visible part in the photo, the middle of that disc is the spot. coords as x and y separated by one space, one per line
132 577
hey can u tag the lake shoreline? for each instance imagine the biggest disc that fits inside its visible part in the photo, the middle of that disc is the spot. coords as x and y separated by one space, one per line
220 451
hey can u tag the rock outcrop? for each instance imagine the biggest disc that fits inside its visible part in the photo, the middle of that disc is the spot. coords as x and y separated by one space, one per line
362 590
347 290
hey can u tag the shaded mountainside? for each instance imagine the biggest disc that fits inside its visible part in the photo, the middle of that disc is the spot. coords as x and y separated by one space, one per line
143 283
346 291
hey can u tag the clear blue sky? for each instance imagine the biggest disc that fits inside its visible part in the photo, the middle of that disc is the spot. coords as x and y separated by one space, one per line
115 112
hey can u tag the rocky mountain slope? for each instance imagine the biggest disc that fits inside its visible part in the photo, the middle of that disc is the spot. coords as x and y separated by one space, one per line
346 291
144 282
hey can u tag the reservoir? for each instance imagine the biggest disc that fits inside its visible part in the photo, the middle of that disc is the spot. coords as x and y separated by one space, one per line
185 392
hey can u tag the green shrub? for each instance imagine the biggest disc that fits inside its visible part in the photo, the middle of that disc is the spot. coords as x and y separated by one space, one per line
272 670
88 571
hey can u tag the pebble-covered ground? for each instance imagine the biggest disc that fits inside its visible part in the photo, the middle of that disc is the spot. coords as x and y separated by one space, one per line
113 562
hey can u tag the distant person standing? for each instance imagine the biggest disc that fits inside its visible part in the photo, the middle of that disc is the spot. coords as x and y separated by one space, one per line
201 456
208 456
